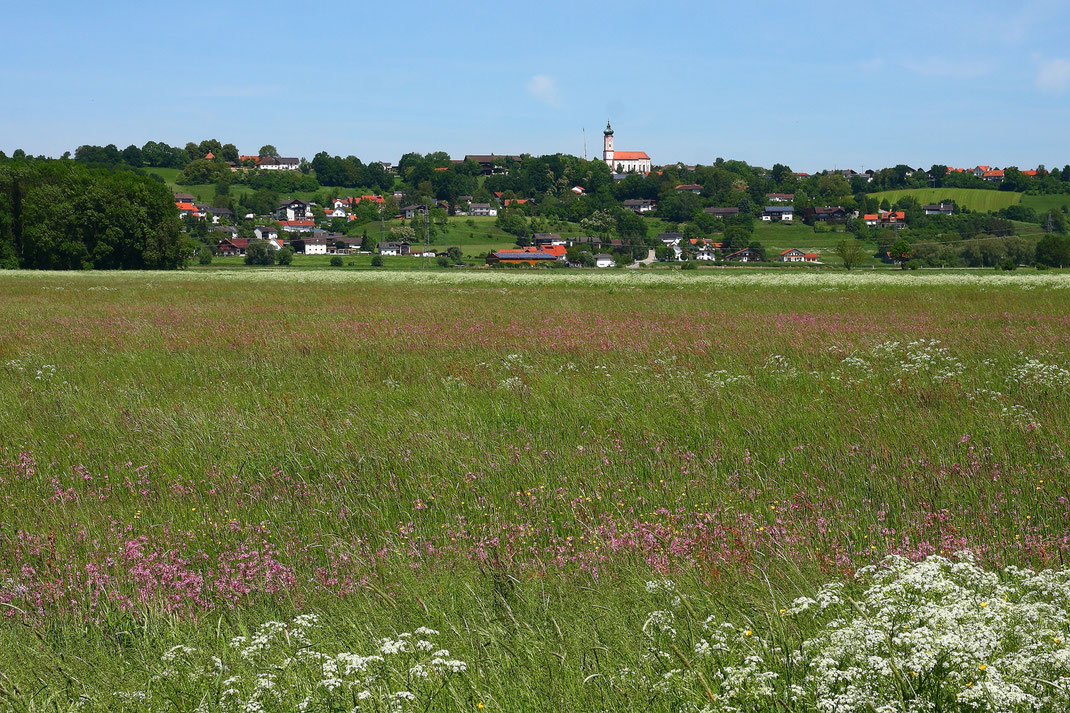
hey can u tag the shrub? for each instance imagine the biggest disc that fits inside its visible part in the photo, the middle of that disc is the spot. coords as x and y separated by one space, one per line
204 255
689 265
377 261
336 261
1007 265
286 256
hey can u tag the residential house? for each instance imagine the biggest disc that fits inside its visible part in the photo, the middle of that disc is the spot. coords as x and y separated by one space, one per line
604 260
727 212
410 211
218 213
673 240
744 255
775 213
265 233
792 255
483 209
488 162
312 246
939 209
555 249
833 213
995 175
522 256
335 213
979 171
515 201
224 231
543 239
689 188
392 247
891 219
185 209
232 246
277 163
296 209
871 219
639 205
297 226
184 198
780 197
594 241
707 249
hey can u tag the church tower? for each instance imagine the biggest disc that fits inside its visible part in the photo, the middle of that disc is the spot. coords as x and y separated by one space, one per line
607 146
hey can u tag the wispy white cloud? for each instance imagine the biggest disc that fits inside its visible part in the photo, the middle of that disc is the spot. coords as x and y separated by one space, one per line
1053 75
544 88
948 68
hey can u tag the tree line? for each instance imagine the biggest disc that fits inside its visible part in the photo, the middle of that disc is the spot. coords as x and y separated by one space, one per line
62 215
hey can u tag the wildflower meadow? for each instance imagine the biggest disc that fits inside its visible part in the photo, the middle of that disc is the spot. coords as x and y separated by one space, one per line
353 491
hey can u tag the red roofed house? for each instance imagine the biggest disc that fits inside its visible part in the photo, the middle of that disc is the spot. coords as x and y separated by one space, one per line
796 255
233 246
1031 173
529 256
692 187
892 219
871 219
210 156
185 208
780 197
627 161
297 226
993 175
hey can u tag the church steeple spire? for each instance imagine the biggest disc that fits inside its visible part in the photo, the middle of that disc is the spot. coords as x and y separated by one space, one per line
609 129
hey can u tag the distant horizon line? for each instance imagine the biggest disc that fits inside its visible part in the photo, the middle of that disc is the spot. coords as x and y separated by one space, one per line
835 168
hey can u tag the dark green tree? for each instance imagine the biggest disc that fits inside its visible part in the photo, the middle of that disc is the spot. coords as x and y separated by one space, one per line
258 252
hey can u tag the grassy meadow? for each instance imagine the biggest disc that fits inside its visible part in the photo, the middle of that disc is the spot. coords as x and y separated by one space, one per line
976 199
261 490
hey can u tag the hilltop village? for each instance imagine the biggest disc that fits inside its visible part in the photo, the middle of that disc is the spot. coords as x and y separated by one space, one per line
621 209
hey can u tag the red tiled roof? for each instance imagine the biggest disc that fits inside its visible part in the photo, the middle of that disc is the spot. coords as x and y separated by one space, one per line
297 222
688 186
630 155
870 216
555 250
810 255
518 201
187 206
994 173
791 250
209 155
1031 172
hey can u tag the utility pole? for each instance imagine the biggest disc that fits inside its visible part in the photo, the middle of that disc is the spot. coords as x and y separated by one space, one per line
1049 226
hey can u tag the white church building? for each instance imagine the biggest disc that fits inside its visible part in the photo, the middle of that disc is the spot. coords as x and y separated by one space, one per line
627 161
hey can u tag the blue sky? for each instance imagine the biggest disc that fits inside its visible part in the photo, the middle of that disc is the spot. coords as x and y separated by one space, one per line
811 84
